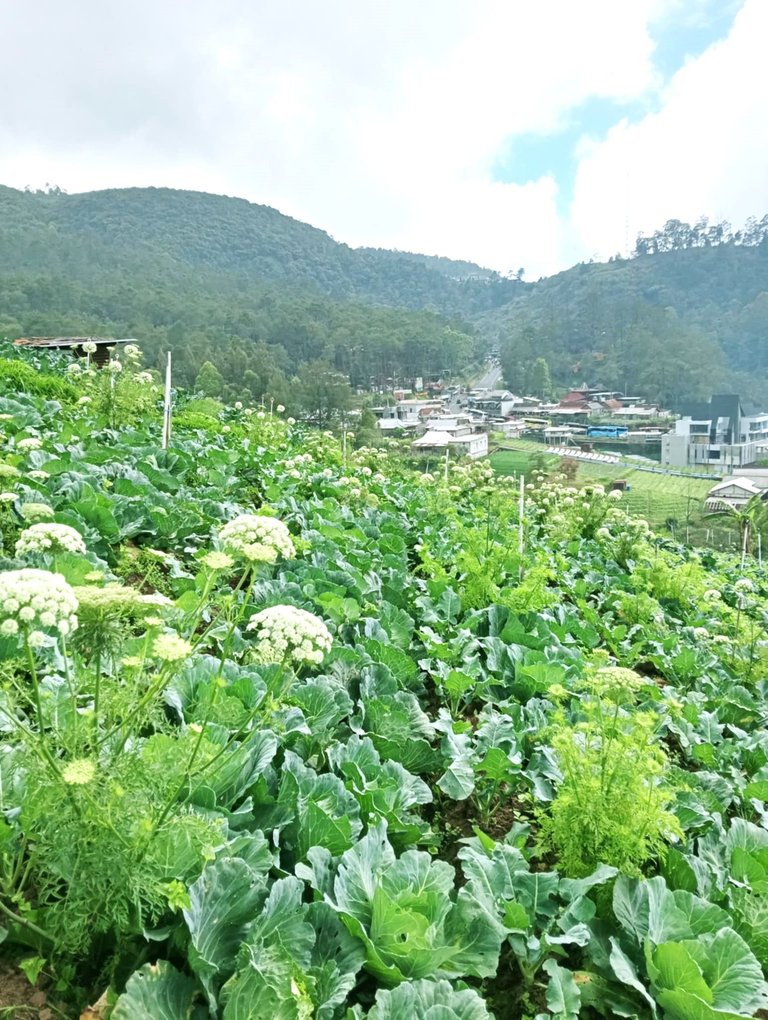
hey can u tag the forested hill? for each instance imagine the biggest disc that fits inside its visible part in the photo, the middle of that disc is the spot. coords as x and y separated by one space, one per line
261 294
233 236
681 323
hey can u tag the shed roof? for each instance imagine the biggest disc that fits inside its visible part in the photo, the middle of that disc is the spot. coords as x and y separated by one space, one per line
737 483
69 341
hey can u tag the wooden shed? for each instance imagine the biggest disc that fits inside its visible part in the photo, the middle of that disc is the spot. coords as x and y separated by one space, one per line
74 345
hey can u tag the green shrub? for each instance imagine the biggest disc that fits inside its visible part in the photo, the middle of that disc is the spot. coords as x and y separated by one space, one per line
611 806
18 375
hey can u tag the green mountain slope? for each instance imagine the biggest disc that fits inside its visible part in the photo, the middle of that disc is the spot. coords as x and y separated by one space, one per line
669 325
222 279
229 235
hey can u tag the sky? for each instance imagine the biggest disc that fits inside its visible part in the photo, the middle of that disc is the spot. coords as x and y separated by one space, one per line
515 134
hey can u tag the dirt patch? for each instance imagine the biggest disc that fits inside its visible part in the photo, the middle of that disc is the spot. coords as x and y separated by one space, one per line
506 995
21 1000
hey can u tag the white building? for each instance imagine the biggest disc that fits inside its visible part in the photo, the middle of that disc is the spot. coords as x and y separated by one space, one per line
732 493
453 431
407 414
717 434
496 403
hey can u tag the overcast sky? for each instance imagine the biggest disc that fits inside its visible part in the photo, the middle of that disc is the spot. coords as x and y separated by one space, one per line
517 134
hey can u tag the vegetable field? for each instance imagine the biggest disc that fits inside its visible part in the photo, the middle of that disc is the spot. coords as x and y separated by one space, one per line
290 731
658 498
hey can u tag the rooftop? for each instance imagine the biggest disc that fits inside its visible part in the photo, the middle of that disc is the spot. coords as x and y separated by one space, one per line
68 341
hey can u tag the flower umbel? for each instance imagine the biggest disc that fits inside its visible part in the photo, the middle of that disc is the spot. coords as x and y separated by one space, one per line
79 772
288 634
216 560
37 598
56 538
251 529
171 648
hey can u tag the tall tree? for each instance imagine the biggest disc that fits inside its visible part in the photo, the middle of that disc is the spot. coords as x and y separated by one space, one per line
324 392
539 381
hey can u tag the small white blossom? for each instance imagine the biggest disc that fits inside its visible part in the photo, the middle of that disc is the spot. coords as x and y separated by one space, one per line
114 367
280 408
291 421
89 347
84 400
144 378
238 405
287 634
712 595
171 648
36 597
30 443
79 772
41 538
132 351
7 497
252 529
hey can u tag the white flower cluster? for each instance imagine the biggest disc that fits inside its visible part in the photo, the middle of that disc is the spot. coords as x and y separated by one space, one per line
40 538
132 351
288 634
89 347
30 443
114 367
36 511
145 378
36 599
299 459
250 529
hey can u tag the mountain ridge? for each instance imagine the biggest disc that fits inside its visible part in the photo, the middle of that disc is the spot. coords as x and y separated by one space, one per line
198 270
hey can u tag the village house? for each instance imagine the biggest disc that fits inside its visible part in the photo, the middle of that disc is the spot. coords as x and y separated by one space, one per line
495 403
717 433
732 493
407 414
456 432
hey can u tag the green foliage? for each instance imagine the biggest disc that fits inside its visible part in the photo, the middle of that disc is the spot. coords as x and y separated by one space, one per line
612 805
466 788
16 375
258 294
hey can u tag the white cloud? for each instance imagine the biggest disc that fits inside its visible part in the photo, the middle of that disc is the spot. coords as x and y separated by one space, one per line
381 122
705 152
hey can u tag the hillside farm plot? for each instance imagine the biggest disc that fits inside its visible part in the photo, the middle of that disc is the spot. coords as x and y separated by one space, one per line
291 730
659 498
